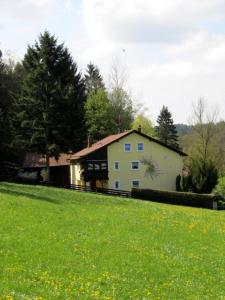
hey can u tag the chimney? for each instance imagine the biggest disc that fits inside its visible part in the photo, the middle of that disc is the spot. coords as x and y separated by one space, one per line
139 128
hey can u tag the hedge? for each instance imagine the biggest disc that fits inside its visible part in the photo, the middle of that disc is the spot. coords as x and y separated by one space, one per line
178 198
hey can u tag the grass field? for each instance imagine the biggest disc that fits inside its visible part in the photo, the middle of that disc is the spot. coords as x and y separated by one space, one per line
59 244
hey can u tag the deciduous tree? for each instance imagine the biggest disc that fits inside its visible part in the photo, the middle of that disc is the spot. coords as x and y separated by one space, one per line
98 118
122 105
146 125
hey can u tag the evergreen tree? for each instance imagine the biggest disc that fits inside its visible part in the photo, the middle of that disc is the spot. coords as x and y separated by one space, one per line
93 79
204 175
166 130
9 85
49 113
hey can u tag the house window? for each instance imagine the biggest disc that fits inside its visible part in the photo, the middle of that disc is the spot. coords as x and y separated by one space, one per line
127 147
97 166
116 165
135 165
116 184
103 166
135 184
140 147
90 166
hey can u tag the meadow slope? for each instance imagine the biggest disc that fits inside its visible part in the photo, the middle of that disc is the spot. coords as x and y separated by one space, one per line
59 244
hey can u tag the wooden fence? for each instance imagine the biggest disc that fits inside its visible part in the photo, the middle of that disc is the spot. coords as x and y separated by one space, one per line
101 190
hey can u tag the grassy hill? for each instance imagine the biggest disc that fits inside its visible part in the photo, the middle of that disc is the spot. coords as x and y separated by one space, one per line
58 244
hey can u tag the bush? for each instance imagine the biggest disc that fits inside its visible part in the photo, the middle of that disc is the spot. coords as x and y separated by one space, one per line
184 183
178 185
204 175
220 187
178 198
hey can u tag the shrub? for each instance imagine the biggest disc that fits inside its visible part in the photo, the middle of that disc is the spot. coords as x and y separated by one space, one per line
178 185
186 184
220 187
178 198
204 175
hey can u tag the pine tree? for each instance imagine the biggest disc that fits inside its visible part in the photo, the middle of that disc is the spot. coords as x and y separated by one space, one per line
166 130
93 79
49 113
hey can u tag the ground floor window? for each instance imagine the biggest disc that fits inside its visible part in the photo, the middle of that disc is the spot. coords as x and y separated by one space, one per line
135 184
116 185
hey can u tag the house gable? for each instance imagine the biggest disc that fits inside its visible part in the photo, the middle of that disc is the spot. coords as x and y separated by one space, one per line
168 163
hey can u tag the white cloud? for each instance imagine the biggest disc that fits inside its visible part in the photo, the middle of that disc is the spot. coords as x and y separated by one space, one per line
14 11
174 49
173 54
148 20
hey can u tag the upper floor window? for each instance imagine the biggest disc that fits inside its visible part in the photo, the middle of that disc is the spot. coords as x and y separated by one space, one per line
140 147
97 166
116 165
90 166
103 166
135 165
127 147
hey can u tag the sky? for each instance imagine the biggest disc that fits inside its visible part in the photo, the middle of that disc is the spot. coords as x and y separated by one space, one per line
173 51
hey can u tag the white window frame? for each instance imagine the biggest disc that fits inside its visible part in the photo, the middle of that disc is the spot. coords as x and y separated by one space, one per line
133 161
114 163
142 149
125 147
132 186
115 188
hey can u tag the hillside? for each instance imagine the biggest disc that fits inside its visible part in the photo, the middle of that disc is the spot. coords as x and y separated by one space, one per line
183 129
59 244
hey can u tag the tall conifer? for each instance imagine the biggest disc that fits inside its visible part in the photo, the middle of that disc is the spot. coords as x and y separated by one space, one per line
49 116
166 130
93 79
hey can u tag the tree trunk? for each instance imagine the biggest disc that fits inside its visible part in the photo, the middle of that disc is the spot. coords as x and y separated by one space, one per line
48 168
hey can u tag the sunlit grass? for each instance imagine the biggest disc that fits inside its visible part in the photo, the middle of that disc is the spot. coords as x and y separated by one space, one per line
59 244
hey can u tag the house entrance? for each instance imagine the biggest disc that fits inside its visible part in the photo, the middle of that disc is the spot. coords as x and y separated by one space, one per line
93 184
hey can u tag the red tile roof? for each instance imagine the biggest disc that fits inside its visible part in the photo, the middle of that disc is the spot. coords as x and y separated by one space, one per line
104 142
113 138
34 160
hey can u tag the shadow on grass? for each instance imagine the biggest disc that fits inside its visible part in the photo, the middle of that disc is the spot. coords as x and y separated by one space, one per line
29 195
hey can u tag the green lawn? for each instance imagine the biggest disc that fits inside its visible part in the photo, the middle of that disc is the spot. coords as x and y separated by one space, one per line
59 244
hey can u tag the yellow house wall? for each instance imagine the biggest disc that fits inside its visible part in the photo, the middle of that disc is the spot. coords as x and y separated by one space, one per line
168 162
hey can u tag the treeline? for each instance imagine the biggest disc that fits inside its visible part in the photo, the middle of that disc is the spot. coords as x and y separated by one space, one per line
205 144
48 107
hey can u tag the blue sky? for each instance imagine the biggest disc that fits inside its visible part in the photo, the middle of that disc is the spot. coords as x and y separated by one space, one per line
174 49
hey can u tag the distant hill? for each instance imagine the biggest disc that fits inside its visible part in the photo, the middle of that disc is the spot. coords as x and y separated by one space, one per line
183 129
